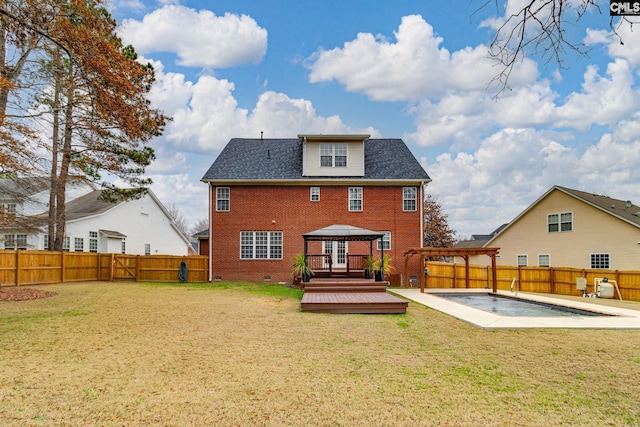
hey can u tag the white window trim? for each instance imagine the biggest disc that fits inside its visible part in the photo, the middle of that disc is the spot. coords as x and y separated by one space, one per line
361 192
334 154
548 257
227 199
414 199
608 254
559 214
385 239
270 235
314 193
526 257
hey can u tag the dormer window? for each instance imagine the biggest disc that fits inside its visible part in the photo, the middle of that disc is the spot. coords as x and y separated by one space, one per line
333 155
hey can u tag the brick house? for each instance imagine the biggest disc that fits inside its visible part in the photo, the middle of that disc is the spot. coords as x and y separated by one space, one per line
265 194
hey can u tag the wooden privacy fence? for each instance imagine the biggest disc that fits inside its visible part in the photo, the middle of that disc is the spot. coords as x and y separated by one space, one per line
19 268
553 280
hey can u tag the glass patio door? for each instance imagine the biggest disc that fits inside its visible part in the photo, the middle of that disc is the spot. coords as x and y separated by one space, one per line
338 251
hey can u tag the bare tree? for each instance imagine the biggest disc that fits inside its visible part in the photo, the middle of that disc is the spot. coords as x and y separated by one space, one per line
437 233
201 225
539 28
178 218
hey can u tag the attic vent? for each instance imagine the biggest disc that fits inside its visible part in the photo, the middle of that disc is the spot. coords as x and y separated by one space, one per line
628 203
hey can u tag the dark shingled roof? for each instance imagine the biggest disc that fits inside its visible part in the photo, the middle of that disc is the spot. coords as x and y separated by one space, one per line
88 205
623 209
84 206
281 159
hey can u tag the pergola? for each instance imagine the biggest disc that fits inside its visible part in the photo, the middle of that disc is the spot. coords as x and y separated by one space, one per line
459 252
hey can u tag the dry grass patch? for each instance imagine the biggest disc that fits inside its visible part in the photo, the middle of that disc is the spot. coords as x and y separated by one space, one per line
243 354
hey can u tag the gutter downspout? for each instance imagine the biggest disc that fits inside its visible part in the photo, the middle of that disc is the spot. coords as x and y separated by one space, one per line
210 233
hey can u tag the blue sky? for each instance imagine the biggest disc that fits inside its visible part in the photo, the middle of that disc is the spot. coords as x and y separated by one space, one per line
416 70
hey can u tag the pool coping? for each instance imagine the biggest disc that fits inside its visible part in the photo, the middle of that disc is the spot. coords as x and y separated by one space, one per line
620 318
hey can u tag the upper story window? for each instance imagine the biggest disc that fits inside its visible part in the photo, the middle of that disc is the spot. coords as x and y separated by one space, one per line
78 244
333 155
355 199
560 222
315 194
409 199
147 248
7 212
222 199
66 244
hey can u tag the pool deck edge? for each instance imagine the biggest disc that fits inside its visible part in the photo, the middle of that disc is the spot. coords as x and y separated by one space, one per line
620 318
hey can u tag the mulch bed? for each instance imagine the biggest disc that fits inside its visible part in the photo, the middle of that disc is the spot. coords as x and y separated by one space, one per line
17 293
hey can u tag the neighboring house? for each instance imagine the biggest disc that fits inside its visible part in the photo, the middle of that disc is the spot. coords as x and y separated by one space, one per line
139 226
201 247
267 193
571 228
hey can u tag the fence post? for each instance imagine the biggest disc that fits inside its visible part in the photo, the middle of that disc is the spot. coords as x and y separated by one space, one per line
138 268
17 268
552 280
62 266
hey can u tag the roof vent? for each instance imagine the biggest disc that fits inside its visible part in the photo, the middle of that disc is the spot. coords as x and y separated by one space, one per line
628 203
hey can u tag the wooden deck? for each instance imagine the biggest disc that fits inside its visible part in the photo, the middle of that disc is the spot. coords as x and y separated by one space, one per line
364 296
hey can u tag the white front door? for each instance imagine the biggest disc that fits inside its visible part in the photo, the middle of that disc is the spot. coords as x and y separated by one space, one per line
338 251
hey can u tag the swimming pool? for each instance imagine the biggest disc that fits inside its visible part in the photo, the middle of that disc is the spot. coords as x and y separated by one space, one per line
610 317
508 306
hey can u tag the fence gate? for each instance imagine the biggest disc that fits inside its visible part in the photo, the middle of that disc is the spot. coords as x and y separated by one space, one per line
125 267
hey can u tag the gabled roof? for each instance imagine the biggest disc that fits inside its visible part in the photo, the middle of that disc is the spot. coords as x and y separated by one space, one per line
88 205
245 159
12 188
623 210
478 240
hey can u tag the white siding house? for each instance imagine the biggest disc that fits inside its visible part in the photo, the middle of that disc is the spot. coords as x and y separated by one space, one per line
140 226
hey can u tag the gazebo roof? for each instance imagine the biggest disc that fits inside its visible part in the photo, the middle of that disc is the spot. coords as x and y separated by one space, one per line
342 232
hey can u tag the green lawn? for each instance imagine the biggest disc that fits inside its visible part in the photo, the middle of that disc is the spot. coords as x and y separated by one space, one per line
114 354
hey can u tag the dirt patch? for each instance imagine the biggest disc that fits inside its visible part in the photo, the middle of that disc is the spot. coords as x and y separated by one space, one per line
23 294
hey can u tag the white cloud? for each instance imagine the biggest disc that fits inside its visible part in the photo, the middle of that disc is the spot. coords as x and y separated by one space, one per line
625 45
413 67
603 100
198 38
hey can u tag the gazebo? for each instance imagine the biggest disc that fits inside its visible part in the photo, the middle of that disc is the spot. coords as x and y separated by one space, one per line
459 252
342 233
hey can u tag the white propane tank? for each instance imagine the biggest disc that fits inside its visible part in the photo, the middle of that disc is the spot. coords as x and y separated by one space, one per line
606 290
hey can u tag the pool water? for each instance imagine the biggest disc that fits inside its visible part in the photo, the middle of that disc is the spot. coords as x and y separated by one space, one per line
508 306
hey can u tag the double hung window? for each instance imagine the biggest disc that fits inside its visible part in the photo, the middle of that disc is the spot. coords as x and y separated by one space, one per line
223 197
385 242
409 199
355 199
315 194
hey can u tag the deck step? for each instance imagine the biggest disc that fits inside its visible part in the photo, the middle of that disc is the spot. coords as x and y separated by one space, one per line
346 288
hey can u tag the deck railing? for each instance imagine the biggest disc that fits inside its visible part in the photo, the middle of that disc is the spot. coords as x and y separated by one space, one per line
324 262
